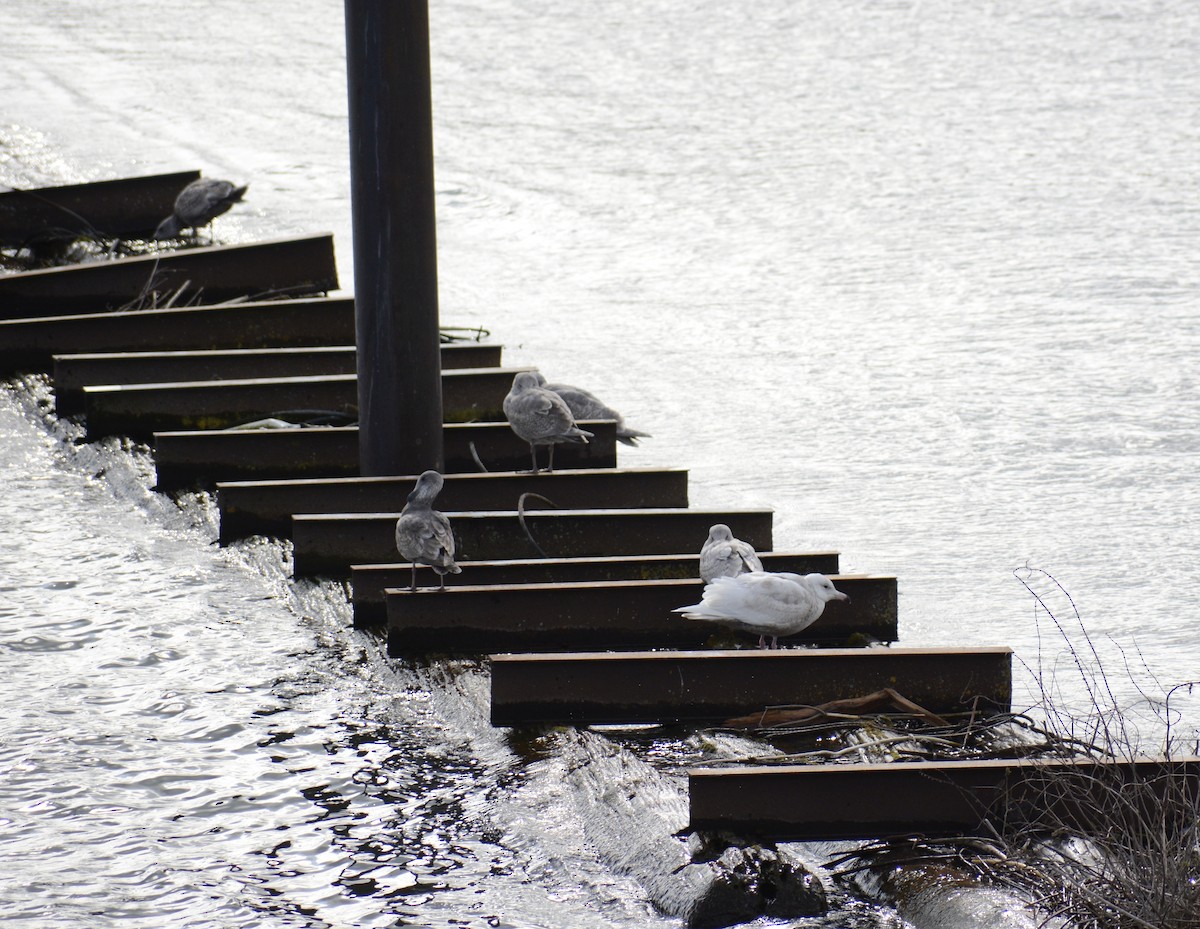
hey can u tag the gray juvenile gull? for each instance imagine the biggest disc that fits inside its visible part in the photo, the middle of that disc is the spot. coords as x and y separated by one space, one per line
764 603
199 204
540 417
423 534
583 404
725 556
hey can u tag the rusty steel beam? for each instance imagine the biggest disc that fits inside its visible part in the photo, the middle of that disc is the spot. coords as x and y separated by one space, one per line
709 687
202 458
73 372
605 615
330 543
206 457
293 267
266 507
30 344
801 803
368 581
140 410
127 207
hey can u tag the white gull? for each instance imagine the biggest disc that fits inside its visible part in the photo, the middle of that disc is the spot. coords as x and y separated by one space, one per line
765 603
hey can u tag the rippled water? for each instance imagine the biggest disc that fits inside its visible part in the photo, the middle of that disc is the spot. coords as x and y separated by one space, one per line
919 276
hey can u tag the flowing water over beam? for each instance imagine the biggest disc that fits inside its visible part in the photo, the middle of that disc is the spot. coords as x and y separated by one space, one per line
605 615
140 410
368 581
266 507
205 457
293 266
708 687
30 344
328 543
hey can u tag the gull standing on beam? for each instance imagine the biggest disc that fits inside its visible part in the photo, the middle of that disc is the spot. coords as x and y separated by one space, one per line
765 603
540 417
725 556
423 534
198 204
585 405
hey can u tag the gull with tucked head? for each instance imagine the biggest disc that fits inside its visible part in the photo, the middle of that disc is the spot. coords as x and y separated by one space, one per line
724 556
585 405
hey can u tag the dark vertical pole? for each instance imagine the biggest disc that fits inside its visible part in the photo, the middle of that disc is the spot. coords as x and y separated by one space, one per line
395 244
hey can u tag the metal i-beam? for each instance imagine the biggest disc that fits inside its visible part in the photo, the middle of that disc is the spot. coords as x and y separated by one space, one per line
395 241
266 507
187 459
368 581
330 543
803 803
603 615
73 372
29 344
140 410
281 267
699 687
127 207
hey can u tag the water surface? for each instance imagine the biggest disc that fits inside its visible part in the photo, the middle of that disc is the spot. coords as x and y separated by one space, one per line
919 276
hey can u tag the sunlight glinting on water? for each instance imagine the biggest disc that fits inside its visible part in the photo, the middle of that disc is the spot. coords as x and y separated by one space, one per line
918 276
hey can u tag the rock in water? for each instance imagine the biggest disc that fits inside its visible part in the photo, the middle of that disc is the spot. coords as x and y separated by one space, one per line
749 881
632 814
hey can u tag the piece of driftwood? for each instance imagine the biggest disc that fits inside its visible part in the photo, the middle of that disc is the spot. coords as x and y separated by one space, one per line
875 702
